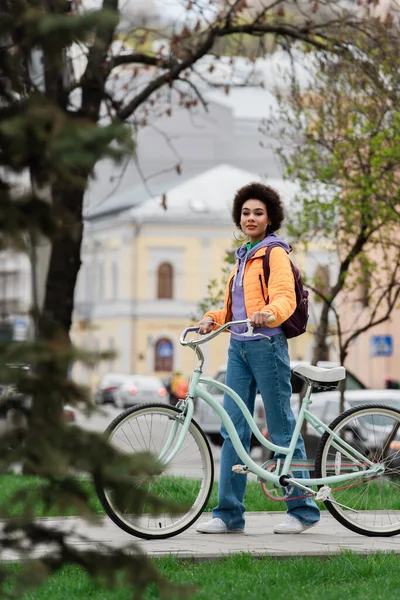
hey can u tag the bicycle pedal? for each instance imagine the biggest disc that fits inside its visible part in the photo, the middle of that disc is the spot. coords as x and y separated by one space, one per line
240 469
323 494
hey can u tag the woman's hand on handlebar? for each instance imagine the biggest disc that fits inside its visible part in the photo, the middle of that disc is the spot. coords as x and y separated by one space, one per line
206 325
261 319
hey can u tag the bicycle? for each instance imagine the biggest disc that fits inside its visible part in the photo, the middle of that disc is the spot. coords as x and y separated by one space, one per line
356 475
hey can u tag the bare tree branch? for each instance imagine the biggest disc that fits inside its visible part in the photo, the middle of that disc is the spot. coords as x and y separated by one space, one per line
166 78
196 91
142 59
311 33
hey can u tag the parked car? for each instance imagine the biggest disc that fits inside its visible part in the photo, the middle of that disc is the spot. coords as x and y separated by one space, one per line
14 410
139 389
15 407
377 427
326 407
107 388
210 423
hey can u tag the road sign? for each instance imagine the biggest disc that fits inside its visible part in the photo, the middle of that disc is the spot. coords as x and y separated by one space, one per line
381 345
20 329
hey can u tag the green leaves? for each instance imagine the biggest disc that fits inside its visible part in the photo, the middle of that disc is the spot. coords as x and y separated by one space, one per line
350 140
342 143
54 145
23 215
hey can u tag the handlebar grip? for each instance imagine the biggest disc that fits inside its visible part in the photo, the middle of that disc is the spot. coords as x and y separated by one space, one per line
185 332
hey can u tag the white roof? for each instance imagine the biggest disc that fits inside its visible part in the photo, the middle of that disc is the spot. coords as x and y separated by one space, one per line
206 197
247 102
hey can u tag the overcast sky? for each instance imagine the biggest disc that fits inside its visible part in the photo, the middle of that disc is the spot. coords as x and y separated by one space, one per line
171 7
171 10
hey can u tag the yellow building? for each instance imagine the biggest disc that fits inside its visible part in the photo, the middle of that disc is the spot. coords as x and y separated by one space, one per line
146 265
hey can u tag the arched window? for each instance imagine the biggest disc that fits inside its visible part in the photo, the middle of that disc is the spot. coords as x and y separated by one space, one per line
164 355
165 280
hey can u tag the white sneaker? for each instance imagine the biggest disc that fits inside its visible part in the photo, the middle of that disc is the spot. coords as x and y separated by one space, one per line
216 526
291 525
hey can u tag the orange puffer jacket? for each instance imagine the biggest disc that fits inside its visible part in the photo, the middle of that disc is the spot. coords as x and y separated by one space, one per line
280 293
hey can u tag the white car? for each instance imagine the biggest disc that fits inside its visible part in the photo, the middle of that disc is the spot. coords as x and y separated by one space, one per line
108 386
209 420
326 407
139 389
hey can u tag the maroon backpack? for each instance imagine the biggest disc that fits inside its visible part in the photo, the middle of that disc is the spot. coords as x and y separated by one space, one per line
297 323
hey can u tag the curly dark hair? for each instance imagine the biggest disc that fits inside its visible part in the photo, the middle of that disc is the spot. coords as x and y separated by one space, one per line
264 193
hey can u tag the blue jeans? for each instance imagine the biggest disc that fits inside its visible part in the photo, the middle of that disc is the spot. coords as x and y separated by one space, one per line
263 365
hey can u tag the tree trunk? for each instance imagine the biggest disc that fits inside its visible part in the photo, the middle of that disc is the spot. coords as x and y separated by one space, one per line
342 386
321 350
55 318
65 262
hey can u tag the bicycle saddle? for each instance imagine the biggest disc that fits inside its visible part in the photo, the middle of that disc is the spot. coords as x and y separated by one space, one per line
319 375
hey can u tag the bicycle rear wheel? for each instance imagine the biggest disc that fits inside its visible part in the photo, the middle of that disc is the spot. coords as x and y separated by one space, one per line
187 479
368 506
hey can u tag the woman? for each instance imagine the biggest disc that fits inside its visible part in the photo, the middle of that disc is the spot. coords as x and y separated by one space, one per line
257 362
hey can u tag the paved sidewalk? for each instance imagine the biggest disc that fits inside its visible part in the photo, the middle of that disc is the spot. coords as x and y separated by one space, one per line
326 539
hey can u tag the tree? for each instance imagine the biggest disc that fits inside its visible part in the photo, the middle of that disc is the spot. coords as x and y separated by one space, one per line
344 149
92 105
43 143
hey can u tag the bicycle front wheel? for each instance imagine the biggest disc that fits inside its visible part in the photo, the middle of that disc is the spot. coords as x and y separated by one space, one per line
186 480
370 505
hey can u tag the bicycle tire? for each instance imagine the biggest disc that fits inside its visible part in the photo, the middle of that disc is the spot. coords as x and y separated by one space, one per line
139 428
375 501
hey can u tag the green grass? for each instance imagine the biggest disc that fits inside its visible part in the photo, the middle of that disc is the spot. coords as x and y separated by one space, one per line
344 577
12 484
255 500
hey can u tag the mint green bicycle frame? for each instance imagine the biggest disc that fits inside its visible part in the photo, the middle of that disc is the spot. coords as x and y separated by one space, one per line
196 390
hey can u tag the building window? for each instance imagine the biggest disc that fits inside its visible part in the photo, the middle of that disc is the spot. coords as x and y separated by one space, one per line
10 303
165 280
111 349
164 355
88 278
100 282
114 281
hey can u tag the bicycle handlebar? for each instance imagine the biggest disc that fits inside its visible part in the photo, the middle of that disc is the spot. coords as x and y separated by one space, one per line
248 333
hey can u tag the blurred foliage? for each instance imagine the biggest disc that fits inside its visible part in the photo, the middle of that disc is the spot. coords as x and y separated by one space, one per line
46 446
46 149
340 141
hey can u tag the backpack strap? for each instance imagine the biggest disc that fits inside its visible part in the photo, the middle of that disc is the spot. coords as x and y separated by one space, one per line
296 324
266 260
